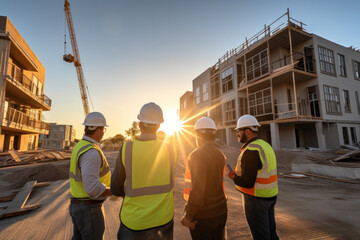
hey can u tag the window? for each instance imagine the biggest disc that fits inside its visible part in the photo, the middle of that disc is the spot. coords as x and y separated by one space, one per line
227 80
342 65
332 102
356 69
357 101
229 113
326 57
197 95
353 135
260 102
345 135
215 93
205 92
347 101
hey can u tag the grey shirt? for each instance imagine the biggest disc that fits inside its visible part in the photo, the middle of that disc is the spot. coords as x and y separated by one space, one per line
118 176
90 163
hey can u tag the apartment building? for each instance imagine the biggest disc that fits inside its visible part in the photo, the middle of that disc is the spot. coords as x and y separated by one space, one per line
22 98
302 88
60 136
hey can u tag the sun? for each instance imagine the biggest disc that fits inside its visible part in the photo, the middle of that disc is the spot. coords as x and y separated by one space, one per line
171 123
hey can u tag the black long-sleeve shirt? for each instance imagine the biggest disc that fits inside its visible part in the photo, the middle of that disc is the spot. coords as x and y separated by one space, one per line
207 198
250 164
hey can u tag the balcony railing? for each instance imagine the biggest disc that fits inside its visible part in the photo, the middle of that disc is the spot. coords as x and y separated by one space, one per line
29 86
20 120
280 23
301 62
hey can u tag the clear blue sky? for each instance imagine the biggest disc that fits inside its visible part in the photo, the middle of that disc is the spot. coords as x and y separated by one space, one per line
138 51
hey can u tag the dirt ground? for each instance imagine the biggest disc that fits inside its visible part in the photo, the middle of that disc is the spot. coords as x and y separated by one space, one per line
307 208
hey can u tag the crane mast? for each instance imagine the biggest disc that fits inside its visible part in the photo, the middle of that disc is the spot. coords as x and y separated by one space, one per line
76 58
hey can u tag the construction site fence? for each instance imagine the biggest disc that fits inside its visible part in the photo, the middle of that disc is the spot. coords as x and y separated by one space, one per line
16 73
21 119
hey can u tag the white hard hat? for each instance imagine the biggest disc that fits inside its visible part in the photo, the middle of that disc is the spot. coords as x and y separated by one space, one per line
151 113
247 121
205 123
95 119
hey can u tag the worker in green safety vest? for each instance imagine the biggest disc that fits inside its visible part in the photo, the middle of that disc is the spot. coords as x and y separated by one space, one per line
89 181
255 176
144 177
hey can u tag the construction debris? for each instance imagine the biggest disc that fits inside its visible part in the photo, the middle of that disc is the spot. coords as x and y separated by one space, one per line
17 204
13 158
353 153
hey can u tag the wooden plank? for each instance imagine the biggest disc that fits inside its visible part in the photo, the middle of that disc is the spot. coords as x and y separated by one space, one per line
19 211
346 155
21 198
14 155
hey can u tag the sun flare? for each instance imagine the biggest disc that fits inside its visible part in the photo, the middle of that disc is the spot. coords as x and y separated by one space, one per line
171 123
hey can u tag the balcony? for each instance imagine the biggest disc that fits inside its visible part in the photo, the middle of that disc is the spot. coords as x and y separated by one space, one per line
301 63
24 91
14 120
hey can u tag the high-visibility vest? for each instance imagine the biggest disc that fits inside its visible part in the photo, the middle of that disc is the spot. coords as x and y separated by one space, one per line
266 184
149 194
76 184
188 184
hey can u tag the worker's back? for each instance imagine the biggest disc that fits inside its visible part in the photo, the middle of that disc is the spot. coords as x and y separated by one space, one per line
149 198
206 165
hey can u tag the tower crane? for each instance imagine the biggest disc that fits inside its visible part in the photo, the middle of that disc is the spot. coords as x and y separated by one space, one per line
75 58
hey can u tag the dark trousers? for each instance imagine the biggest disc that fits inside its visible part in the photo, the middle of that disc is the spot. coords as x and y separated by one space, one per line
88 221
164 232
210 228
260 216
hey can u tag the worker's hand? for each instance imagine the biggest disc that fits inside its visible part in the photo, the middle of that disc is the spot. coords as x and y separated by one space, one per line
231 174
188 223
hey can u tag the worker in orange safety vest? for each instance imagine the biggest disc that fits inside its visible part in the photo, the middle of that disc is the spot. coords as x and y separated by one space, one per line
255 176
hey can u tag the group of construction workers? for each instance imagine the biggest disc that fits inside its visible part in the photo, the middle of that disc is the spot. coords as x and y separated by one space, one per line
144 177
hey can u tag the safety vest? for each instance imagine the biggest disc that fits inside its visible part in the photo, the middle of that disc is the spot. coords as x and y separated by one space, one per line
188 184
266 184
149 194
76 184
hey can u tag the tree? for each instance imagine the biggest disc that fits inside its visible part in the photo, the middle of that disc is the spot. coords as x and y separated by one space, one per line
134 131
118 138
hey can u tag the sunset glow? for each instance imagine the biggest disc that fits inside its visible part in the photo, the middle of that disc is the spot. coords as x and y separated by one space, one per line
171 123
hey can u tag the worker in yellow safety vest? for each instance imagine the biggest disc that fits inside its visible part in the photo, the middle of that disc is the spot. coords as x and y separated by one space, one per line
206 210
89 180
144 177
255 176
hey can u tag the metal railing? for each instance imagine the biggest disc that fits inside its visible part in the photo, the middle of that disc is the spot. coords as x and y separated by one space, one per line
29 86
268 31
20 119
300 62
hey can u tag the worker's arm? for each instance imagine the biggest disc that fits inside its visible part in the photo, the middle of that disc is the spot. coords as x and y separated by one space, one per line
198 181
250 164
118 177
90 164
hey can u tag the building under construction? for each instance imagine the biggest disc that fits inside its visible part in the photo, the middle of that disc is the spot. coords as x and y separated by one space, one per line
22 98
302 88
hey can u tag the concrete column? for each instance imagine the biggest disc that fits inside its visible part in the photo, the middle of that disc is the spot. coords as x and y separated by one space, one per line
228 132
275 136
4 59
320 136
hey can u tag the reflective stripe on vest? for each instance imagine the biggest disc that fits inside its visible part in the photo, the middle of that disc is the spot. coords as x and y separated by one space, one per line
135 192
188 184
149 195
76 185
266 184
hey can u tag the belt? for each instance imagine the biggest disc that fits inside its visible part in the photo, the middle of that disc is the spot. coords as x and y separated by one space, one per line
85 201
